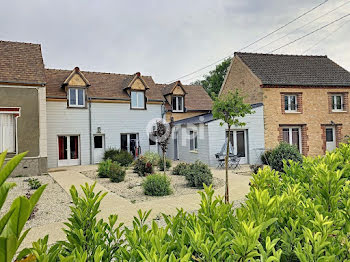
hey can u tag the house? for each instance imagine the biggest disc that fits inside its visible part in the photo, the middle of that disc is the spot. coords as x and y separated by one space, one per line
184 101
305 98
23 106
202 137
88 112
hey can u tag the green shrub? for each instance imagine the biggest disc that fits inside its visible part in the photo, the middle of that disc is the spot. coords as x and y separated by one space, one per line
116 173
122 157
103 168
34 183
255 168
181 169
198 174
152 158
142 167
161 166
282 152
157 185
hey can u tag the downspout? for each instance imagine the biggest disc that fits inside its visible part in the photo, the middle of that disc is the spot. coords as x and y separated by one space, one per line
90 130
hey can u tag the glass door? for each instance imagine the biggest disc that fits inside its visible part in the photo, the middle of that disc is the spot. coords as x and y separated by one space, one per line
68 150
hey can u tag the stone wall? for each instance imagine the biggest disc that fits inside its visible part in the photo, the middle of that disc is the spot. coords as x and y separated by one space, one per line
30 167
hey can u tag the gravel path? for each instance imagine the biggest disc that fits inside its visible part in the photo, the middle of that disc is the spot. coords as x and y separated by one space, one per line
53 206
131 187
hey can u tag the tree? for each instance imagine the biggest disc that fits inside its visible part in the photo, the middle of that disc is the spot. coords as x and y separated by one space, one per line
213 81
229 109
162 134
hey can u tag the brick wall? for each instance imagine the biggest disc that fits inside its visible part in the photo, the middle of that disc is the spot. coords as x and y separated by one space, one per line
314 113
240 77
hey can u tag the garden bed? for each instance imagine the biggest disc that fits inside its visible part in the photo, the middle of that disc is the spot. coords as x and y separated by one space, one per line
131 187
53 205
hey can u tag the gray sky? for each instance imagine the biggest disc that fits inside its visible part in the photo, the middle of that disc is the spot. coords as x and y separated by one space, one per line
167 39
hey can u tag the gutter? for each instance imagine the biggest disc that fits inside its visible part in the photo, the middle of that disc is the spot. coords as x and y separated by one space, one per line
22 83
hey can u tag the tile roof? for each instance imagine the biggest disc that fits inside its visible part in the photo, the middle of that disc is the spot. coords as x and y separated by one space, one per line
110 85
298 70
21 63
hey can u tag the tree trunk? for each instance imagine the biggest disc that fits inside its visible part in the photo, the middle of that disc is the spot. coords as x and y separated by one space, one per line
164 162
227 200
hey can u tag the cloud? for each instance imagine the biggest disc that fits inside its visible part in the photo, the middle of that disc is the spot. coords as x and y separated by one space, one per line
165 39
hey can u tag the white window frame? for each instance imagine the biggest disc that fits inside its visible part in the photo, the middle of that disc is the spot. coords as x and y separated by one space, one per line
290 128
177 108
137 100
193 141
334 100
76 97
14 113
289 99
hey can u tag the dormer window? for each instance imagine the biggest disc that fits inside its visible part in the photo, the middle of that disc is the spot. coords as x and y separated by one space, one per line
178 104
76 97
137 99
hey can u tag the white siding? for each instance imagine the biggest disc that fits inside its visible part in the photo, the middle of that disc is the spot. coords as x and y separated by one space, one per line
42 121
255 130
66 121
115 119
212 137
112 118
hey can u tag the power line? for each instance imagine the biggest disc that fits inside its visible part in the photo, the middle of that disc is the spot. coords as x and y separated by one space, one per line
316 30
302 26
256 41
318 42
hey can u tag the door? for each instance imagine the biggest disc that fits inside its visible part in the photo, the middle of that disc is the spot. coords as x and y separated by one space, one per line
176 152
99 148
68 150
238 140
130 143
330 139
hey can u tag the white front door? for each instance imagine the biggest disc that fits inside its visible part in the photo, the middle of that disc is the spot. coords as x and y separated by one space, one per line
68 150
99 148
330 139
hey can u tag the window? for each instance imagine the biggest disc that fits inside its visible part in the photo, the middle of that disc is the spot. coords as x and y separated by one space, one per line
329 135
178 104
7 133
292 136
76 97
98 142
137 99
290 103
337 102
193 141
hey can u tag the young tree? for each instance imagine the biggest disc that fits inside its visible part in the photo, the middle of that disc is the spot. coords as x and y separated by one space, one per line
162 133
229 108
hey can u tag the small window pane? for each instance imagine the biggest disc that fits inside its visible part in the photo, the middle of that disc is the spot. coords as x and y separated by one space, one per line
286 103
329 134
174 103
339 105
195 141
295 137
133 99
98 143
293 103
180 105
191 141
72 97
285 135
80 97
141 99
74 151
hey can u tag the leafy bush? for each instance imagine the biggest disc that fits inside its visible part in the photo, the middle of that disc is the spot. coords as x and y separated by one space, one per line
152 158
157 185
301 214
103 168
13 221
198 174
282 152
124 158
181 169
33 183
116 173
255 168
161 166
142 167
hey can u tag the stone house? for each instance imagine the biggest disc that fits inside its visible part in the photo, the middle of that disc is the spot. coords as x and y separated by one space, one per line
305 98
23 106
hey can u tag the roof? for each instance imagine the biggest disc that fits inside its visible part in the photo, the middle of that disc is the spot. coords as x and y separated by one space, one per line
205 118
21 63
297 70
102 85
